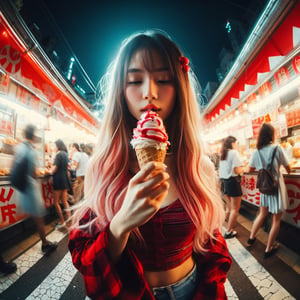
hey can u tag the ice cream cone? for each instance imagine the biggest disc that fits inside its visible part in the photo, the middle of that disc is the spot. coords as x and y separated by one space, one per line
144 155
150 139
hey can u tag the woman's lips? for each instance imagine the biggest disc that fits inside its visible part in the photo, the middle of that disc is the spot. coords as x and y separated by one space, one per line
150 107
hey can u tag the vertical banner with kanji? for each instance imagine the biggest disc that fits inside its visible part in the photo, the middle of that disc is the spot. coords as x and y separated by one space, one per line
10 209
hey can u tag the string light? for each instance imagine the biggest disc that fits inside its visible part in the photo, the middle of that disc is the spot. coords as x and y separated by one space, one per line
228 26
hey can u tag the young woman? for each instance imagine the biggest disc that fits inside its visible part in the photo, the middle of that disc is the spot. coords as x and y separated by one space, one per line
149 233
229 172
61 182
268 203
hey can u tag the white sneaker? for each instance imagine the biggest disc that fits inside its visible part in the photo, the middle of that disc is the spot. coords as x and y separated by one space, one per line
229 235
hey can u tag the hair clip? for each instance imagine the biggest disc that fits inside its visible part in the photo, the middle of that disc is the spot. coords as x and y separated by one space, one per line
184 63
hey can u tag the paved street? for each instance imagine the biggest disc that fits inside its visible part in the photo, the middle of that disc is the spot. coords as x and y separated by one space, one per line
251 276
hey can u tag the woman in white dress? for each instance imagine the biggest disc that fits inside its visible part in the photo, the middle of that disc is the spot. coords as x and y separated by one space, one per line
268 203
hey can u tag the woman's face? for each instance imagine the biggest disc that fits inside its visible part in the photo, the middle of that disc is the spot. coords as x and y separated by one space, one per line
149 89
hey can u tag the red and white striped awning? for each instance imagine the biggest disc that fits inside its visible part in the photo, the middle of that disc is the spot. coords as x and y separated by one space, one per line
285 38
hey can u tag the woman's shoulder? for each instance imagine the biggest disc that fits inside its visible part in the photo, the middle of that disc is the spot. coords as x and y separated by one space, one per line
279 151
76 155
267 148
62 154
233 152
274 147
58 155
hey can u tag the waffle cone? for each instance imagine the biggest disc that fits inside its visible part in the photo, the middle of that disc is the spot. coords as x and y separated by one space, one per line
147 154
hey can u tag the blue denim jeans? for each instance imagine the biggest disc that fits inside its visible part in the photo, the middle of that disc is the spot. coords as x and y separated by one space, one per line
181 290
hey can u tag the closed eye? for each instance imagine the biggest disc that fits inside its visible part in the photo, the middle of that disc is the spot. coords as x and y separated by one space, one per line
164 81
134 82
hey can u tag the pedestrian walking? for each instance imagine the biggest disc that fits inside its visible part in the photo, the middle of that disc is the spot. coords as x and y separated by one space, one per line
269 203
230 172
61 183
30 198
142 233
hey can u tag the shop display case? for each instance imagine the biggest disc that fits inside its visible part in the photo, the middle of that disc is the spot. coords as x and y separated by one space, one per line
33 91
11 134
276 101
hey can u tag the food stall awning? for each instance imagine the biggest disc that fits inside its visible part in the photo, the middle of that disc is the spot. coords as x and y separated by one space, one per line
280 43
21 63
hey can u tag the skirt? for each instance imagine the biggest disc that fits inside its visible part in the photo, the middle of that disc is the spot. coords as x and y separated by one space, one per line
273 202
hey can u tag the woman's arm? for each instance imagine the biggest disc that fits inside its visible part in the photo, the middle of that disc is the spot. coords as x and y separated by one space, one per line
213 267
53 169
284 160
238 170
145 194
103 278
288 169
74 165
103 258
237 163
91 257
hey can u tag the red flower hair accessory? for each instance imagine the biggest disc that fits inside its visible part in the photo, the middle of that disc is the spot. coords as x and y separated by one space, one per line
184 61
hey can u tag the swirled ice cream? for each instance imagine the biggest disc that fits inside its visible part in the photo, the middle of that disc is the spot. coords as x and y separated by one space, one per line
150 139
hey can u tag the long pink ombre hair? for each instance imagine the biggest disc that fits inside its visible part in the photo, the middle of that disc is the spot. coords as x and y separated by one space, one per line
107 176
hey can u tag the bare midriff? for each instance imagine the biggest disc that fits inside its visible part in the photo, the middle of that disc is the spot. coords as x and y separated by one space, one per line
168 277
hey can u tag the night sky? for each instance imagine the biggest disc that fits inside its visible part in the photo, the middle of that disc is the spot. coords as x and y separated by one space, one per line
95 29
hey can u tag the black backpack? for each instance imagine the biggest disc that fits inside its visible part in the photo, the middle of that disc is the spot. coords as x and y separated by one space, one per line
266 183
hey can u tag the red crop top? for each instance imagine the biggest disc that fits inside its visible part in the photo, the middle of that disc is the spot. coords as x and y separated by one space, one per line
169 239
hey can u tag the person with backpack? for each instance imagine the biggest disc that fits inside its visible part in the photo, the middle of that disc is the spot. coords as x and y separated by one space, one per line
271 157
230 171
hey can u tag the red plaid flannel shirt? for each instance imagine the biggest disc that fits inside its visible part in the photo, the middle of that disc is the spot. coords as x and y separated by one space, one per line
125 280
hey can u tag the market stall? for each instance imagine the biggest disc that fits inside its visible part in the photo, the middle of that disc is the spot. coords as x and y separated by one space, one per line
266 90
32 91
